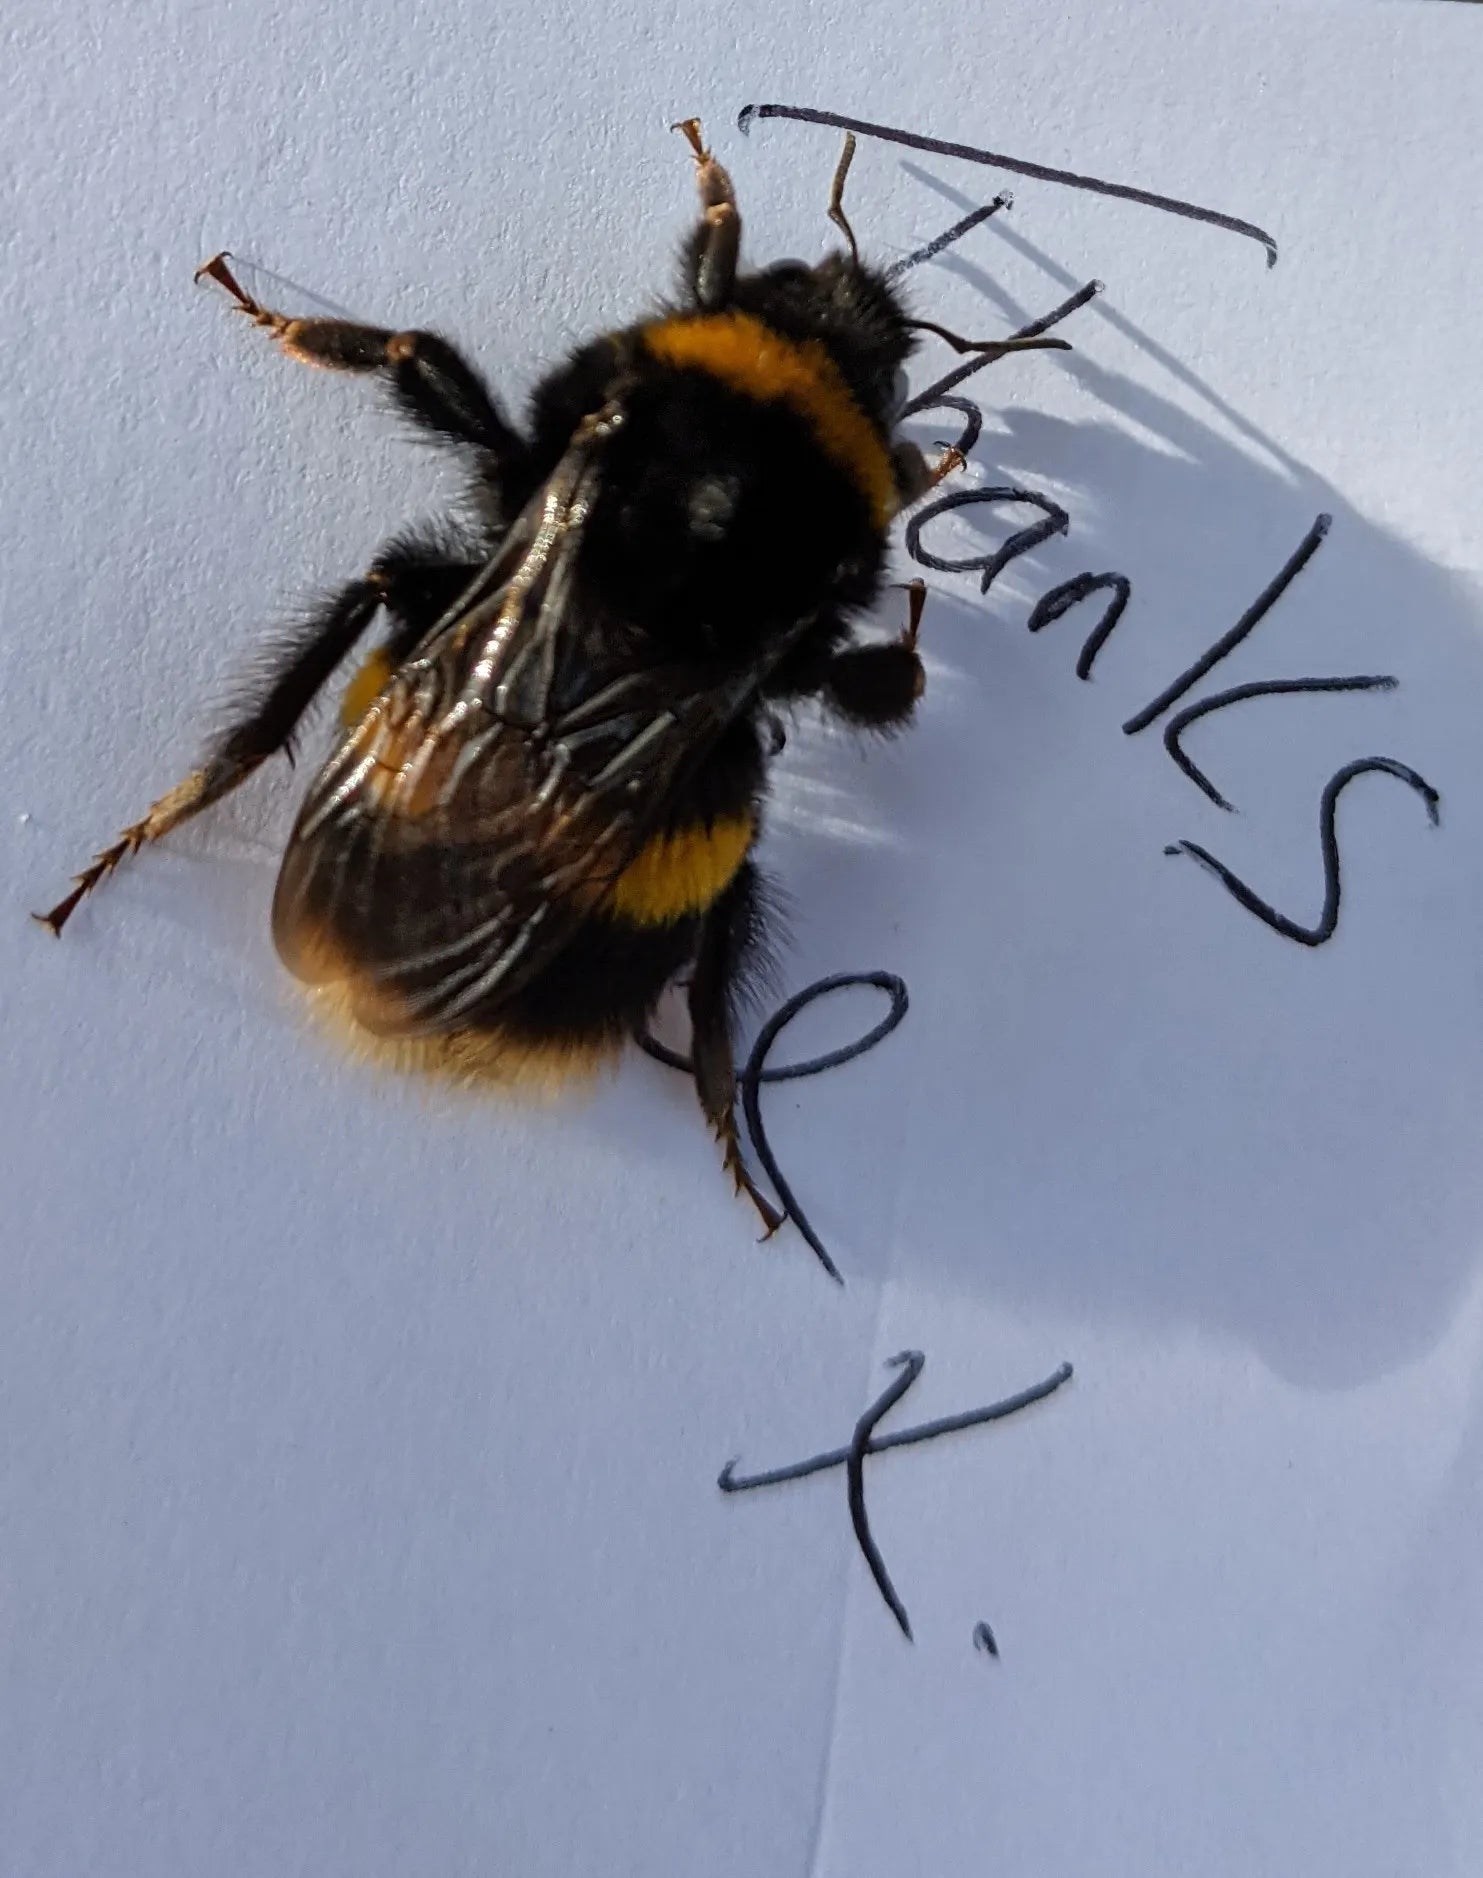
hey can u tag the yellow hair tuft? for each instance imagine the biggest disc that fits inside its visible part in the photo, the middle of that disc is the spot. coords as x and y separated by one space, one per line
479 1061
366 686
681 873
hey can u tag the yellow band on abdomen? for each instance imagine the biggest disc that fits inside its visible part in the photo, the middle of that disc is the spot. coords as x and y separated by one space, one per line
681 873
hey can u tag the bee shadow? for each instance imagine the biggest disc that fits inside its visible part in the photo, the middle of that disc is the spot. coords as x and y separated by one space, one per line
1118 1094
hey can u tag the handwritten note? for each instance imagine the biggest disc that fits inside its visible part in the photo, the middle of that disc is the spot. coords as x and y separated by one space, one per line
363 1446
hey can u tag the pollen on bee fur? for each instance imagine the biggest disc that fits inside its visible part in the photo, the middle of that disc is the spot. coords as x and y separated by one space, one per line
368 683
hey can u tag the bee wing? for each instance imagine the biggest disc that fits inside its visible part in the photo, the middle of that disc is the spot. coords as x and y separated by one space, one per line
490 797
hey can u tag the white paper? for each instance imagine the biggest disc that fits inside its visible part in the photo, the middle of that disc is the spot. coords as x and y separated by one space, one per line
360 1445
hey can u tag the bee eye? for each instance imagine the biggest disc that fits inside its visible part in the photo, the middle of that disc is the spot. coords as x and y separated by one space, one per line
712 506
789 271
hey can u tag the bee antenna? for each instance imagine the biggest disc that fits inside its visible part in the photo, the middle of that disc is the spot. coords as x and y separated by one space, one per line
994 347
836 195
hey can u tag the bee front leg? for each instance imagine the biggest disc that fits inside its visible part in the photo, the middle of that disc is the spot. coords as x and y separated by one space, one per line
712 252
727 935
431 382
915 476
262 728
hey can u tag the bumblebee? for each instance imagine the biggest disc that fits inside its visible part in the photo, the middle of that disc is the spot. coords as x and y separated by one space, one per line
545 801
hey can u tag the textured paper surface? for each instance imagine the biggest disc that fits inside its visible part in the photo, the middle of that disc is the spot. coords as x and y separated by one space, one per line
359 1447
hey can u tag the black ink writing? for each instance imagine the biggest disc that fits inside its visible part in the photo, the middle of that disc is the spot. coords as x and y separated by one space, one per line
1041 172
1328 919
942 394
1263 688
1050 606
1228 641
983 1639
992 565
865 1441
973 420
910 1362
929 250
1069 593
755 1072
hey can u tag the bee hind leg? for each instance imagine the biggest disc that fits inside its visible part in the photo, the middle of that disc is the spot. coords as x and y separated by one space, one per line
262 727
878 686
423 572
728 935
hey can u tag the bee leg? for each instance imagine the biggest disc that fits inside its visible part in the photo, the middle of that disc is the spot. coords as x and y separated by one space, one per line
728 934
878 686
261 730
712 251
423 571
948 464
916 600
431 383
914 475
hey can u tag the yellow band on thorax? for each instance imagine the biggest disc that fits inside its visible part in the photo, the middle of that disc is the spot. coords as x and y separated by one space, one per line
751 358
681 873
